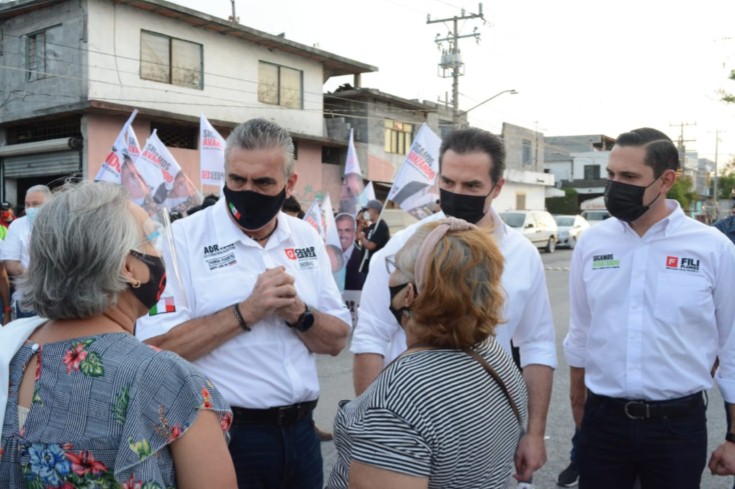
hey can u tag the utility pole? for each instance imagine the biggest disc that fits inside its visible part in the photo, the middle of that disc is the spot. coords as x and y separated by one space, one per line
680 143
451 58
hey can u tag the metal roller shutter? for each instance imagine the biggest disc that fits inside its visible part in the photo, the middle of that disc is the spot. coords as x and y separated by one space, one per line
38 165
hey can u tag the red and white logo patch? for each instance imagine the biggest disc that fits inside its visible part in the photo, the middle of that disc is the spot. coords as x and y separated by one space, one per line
672 262
290 253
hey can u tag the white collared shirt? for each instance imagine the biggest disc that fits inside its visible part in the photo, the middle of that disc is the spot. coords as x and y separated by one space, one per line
526 308
17 240
219 265
16 247
650 314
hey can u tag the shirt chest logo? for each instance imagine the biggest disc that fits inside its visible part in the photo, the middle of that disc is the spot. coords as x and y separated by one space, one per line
303 258
216 256
682 263
600 262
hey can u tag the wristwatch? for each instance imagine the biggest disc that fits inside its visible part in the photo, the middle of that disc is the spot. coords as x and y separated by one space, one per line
730 437
304 322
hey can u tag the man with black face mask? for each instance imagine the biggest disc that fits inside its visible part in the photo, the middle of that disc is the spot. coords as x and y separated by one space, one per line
651 310
259 302
471 164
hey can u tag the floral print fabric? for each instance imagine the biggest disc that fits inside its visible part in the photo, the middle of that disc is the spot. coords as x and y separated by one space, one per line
104 410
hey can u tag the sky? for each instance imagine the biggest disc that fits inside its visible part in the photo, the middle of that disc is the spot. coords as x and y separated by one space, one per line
579 66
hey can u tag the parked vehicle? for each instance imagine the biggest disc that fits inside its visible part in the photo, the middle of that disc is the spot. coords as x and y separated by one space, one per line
570 229
595 216
538 226
594 210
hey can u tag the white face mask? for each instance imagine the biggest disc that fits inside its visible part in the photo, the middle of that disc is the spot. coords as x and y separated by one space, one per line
366 216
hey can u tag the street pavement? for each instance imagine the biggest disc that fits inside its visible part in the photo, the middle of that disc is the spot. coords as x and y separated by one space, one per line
335 376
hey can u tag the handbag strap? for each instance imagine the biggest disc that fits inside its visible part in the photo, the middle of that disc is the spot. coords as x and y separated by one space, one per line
471 352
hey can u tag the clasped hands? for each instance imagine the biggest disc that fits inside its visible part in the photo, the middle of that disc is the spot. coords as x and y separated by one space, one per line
274 294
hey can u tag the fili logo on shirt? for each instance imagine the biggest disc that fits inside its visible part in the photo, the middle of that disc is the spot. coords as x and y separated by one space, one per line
600 262
682 263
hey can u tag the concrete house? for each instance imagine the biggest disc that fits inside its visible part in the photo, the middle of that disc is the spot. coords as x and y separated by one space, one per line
75 69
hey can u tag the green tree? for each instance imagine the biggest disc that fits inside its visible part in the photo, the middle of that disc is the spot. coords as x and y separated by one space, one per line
569 204
726 96
683 191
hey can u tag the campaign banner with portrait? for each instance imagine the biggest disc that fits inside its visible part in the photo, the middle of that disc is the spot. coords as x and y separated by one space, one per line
413 186
331 240
126 144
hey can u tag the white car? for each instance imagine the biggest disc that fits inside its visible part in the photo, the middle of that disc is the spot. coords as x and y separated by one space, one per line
570 229
538 226
594 216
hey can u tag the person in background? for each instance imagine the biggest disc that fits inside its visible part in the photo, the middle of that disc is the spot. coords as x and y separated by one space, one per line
375 236
260 304
727 225
89 405
471 166
292 207
15 246
448 412
650 310
7 216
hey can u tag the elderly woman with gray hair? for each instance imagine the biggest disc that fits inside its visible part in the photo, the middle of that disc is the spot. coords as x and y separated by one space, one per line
88 405
449 411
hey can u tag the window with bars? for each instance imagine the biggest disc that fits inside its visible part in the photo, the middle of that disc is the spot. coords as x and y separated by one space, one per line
169 60
43 54
280 85
177 136
398 136
41 131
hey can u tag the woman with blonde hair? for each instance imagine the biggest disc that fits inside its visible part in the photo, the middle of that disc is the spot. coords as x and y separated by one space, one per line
448 412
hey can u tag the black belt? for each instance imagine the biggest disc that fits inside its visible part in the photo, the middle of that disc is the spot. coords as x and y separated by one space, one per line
636 409
277 416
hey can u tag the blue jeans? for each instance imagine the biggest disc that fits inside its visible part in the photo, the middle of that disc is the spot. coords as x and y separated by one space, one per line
665 453
277 457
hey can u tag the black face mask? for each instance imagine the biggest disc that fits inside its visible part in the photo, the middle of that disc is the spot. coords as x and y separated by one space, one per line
397 313
471 208
625 201
252 210
149 292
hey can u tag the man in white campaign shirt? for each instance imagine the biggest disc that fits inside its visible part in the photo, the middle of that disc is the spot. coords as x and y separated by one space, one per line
259 302
471 176
15 253
651 311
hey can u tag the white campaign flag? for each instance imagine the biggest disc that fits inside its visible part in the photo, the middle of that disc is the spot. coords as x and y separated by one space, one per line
413 185
366 195
158 167
352 184
314 217
211 154
334 248
112 167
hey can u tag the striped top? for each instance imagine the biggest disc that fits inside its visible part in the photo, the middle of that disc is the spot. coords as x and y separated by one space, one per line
435 414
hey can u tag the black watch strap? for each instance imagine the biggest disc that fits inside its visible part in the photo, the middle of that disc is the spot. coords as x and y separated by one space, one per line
730 437
304 322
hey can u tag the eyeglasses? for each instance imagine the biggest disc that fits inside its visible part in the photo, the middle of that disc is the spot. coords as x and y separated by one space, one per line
390 264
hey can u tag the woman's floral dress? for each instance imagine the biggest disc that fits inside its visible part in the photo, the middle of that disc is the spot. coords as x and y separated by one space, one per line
104 410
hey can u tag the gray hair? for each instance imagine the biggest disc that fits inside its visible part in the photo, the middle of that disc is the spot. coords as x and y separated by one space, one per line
78 248
42 189
261 134
345 217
